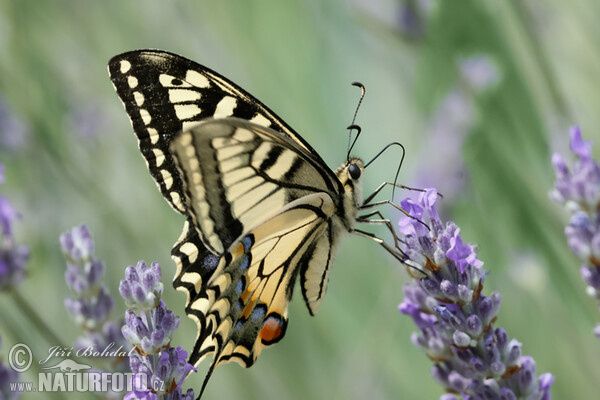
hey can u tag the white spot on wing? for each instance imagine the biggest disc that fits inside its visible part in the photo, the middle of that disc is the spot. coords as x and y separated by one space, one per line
201 305
187 111
197 79
225 107
183 95
261 120
125 66
243 187
231 164
146 117
219 142
132 81
190 250
282 165
139 98
159 156
188 125
194 278
261 153
231 151
243 135
234 177
176 200
185 139
153 135
167 178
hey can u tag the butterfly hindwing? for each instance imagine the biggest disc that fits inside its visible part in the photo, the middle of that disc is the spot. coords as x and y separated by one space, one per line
241 307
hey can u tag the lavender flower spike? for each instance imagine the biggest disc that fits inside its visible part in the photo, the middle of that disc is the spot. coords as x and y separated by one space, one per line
455 320
159 369
13 256
90 304
578 190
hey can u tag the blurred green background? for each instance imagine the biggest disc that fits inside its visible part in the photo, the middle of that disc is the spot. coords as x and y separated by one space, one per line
480 92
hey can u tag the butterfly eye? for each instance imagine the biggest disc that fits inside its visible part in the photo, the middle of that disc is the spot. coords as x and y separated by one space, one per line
354 171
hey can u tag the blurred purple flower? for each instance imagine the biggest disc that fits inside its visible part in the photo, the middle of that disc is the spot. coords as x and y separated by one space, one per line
13 256
455 320
578 190
478 72
13 130
412 17
451 122
91 303
156 365
87 121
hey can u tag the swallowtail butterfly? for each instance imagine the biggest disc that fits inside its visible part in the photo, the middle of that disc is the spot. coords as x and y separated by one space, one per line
262 207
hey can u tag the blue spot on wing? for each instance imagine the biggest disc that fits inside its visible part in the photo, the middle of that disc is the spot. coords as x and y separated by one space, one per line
245 262
247 242
210 262
259 313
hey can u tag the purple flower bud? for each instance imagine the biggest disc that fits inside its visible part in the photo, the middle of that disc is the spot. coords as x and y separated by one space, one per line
448 396
7 215
461 339
465 294
12 264
431 286
507 394
578 145
514 353
501 339
457 381
449 289
497 368
474 325
478 364
462 254
447 316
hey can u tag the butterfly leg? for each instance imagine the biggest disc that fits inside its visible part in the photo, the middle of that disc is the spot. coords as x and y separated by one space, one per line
396 252
384 184
396 206
366 220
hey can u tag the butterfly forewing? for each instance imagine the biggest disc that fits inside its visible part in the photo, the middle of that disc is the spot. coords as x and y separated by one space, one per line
164 94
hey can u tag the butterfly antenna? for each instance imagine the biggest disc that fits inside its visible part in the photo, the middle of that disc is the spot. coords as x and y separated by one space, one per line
399 164
352 126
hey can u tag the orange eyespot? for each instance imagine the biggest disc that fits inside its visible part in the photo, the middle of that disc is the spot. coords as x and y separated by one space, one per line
273 329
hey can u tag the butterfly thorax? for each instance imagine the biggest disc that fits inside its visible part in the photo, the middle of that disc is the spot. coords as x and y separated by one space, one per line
350 176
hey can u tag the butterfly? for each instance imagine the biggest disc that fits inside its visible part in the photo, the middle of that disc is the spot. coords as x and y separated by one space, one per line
262 208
